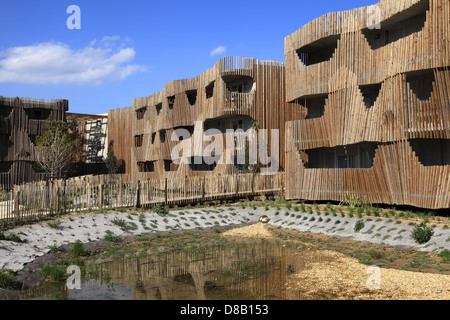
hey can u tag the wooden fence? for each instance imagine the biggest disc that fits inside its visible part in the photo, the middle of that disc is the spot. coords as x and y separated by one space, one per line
38 200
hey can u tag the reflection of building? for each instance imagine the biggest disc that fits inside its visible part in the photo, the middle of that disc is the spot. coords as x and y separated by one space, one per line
21 121
237 93
374 103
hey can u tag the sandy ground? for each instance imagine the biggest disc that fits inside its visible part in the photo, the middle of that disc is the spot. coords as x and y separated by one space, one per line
341 277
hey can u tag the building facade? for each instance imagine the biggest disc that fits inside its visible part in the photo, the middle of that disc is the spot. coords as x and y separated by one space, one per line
21 121
189 116
372 86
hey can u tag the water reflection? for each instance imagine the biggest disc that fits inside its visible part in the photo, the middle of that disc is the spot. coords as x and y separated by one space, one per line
245 270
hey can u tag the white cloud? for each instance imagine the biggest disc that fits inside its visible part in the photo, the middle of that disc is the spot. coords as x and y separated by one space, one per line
218 50
54 63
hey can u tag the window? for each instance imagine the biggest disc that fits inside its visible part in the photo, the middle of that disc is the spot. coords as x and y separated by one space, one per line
192 97
399 26
170 166
319 51
210 90
138 140
370 94
315 106
421 83
432 152
359 155
147 166
140 113
162 136
198 164
38 114
153 137
158 109
171 101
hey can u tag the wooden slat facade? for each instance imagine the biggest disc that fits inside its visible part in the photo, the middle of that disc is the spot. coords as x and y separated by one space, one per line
21 120
192 103
387 87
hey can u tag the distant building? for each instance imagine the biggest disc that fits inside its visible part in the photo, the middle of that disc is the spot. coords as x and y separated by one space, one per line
21 121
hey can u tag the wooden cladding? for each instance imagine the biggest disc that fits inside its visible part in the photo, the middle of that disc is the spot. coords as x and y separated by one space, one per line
235 87
21 121
384 133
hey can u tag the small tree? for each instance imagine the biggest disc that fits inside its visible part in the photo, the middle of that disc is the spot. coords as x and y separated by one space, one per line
57 148
111 162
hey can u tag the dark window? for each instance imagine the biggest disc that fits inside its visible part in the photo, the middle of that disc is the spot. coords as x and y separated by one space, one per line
162 136
153 137
432 152
209 90
370 94
171 101
192 97
140 113
398 26
138 140
158 109
198 164
315 106
147 166
319 51
421 83
359 155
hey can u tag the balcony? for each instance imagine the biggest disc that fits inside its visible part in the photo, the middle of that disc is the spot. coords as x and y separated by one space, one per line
238 103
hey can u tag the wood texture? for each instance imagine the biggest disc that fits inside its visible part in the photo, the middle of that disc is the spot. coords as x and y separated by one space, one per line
21 120
163 112
412 74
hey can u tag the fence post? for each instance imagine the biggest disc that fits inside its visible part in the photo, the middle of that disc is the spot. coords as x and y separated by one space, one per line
138 194
88 196
100 195
236 184
120 193
185 187
203 188
253 183
16 203
165 192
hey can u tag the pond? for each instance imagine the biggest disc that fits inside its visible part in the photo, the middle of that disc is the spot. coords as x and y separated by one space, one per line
242 270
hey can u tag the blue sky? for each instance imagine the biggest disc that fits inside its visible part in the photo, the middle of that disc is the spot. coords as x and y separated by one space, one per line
130 49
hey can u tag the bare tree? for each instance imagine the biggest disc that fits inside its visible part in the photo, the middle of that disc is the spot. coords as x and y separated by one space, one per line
57 148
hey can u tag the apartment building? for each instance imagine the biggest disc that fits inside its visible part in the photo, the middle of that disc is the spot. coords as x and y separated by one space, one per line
372 87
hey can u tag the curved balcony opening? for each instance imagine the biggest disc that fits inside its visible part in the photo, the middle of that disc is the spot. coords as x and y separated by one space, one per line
5 166
400 25
315 105
38 114
191 96
184 132
319 51
355 156
432 152
146 166
5 111
370 94
162 136
421 83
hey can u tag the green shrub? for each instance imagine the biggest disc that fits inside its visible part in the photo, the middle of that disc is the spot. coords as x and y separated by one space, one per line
111 237
6 278
445 255
78 249
160 210
422 233
376 254
359 225
55 273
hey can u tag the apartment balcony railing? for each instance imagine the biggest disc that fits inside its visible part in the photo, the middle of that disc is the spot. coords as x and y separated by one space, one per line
237 103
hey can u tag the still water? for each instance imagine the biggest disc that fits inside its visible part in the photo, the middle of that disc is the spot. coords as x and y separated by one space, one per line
245 270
